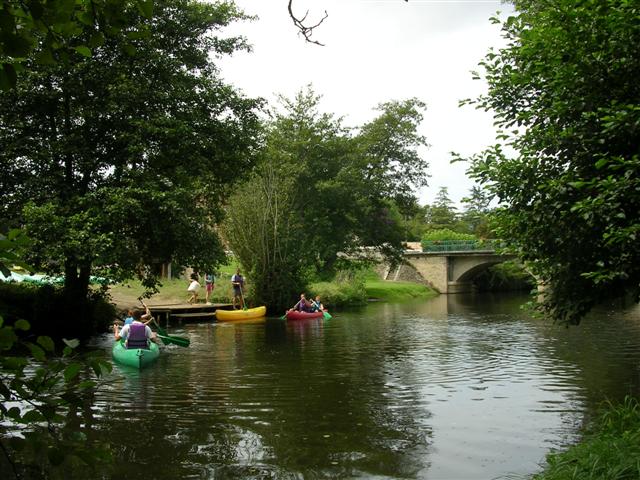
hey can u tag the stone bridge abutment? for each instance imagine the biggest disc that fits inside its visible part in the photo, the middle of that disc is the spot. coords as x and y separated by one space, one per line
453 272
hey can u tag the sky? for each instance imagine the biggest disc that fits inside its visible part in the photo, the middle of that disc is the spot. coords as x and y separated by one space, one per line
376 51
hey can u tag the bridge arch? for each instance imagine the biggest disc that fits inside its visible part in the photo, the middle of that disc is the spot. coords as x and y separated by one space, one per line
453 272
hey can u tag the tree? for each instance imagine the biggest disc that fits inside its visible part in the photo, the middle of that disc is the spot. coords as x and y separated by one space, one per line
48 31
475 217
336 191
267 236
442 214
565 94
118 161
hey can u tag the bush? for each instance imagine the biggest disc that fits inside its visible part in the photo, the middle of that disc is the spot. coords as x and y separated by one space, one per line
49 313
609 449
348 288
446 234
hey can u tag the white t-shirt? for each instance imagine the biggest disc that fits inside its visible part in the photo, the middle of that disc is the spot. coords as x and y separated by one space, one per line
193 286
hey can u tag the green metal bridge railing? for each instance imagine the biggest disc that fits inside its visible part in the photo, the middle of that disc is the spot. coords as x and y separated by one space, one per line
460 245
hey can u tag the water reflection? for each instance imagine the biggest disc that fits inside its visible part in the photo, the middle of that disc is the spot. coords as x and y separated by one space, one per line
457 387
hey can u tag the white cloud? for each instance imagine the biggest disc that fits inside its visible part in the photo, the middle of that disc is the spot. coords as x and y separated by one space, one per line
375 51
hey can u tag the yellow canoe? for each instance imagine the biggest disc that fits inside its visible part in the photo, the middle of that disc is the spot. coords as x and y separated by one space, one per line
228 315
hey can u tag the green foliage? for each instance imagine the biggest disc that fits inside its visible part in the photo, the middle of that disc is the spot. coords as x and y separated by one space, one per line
49 31
446 240
41 390
564 93
507 276
46 309
442 214
447 234
323 190
12 248
476 217
347 289
388 291
263 232
610 448
119 161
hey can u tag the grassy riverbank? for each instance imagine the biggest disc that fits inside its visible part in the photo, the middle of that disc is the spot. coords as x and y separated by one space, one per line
387 291
609 449
344 290
173 291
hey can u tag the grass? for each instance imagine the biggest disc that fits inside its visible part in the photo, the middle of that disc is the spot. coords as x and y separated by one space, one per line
340 292
609 449
357 287
388 291
174 290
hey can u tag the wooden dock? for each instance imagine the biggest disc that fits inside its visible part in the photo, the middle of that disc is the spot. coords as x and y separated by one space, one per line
185 311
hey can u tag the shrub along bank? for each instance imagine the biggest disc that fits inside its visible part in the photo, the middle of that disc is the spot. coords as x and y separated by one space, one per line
48 313
609 449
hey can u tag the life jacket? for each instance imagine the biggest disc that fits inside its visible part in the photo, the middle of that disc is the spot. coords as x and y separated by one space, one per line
137 337
302 305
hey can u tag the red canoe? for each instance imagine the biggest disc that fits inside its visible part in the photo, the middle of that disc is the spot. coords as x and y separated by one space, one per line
297 315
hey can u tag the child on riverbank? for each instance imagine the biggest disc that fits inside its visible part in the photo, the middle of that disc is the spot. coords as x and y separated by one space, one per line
193 289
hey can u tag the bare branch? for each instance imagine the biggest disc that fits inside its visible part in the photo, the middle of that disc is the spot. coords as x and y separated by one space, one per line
305 30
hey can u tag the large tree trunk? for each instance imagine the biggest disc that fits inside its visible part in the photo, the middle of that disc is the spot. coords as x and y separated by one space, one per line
76 293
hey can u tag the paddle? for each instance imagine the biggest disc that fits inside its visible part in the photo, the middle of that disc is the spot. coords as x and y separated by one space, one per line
163 335
283 317
168 339
244 305
325 314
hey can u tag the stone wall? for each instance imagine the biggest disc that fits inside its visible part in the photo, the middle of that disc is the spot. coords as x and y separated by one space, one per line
401 273
433 270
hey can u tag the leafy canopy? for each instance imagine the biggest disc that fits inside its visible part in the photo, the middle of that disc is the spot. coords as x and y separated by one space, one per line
323 190
49 31
565 93
118 161
41 390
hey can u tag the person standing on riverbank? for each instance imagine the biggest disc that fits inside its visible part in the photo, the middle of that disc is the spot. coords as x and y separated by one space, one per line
237 282
209 284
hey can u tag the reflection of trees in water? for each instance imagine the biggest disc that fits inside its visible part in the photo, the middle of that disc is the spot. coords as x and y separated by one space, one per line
171 420
607 338
363 415
585 358
339 398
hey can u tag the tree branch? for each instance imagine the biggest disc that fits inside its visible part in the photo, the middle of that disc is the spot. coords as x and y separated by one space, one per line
305 30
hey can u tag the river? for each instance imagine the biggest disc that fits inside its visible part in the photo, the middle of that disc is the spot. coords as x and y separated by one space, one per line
456 387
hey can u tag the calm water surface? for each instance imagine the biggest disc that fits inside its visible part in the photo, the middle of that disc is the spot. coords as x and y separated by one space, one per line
458 387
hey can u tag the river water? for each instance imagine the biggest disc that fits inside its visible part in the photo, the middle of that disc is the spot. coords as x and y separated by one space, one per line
456 387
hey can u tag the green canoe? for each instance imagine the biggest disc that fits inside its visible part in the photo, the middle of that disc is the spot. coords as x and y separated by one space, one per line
135 357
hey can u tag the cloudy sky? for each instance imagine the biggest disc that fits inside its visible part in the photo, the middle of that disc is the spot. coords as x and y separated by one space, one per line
376 51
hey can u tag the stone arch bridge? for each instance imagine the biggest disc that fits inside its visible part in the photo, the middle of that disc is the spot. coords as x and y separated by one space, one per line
453 271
